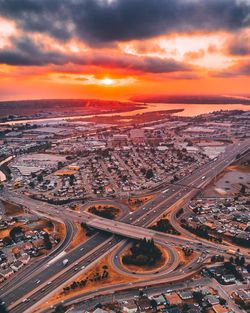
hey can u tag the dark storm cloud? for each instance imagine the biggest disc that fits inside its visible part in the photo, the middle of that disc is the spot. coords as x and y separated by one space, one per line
136 63
239 45
98 21
26 52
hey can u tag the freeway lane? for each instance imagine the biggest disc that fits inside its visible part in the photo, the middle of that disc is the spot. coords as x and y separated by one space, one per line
73 215
45 273
33 269
39 296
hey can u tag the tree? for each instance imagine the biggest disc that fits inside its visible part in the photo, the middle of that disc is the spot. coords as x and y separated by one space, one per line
198 296
213 259
39 178
222 301
153 304
7 241
185 308
50 224
243 189
47 242
59 164
15 231
59 309
71 179
149 174
242 261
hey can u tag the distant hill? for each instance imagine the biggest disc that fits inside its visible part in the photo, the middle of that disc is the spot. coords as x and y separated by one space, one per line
195 99
64 106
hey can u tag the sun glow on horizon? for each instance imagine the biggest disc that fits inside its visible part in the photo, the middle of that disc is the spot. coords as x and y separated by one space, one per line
107 81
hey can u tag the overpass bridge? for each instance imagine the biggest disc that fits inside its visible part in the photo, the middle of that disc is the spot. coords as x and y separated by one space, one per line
122 229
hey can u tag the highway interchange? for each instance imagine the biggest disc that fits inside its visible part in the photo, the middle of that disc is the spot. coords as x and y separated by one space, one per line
53 275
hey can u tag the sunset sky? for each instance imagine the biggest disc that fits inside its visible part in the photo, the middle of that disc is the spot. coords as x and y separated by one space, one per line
120 48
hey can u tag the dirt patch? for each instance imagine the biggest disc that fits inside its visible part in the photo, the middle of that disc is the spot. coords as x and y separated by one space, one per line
60 229
135 203
79 237
186 259
229 182
113 278
105 211
11 209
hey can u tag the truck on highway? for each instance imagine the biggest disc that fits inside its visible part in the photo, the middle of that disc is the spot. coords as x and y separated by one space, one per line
234 252
65 262
231 251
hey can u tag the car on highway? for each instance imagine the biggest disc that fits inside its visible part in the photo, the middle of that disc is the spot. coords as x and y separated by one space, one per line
65 262
37 281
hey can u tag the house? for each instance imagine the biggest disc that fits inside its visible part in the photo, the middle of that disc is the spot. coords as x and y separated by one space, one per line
98 310
212 299
244 296
7 272
173 298
185 295
2 278
228 278
143 304
160 300
129 306
17 265
27 246
38 243
24 258
172 310
194 308
220 309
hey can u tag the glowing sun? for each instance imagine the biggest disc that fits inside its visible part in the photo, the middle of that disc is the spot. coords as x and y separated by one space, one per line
107 81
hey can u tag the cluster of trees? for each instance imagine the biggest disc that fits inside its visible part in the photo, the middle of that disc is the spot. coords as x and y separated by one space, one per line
143 252
163 225
149 173
106 211
231 268
201 231
14 232
217 258
82 283
187 251
245 306
13 236
136 202
239 261
47 242
245 242
59 309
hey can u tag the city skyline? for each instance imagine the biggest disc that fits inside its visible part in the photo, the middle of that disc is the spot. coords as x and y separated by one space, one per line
120 49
